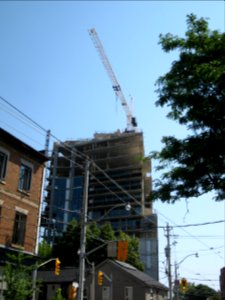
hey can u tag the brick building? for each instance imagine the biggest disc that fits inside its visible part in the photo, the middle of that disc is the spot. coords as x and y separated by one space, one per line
21 174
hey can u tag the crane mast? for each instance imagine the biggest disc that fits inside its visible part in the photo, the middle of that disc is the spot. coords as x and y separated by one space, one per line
131 121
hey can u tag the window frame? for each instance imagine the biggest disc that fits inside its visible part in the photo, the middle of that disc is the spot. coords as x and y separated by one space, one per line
19 228
3 168
128 293
106 292
1 205
25 176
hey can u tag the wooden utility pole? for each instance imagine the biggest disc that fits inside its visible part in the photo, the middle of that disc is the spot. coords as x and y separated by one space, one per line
83 223
168 259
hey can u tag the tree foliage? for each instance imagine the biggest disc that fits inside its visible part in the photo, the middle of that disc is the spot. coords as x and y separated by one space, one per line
194 92
67 246
58 295
18 277
96 237
45 250
201 292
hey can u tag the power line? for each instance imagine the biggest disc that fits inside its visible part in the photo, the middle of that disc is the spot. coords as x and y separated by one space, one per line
23 114
25 135
77 152
107 176
84 156
199 224
194 237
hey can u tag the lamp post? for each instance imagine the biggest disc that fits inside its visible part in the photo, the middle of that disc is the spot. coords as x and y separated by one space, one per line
83 233
92 296
126 205
176 266
84 223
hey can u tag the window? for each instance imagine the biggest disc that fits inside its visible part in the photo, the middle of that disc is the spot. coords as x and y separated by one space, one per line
25 177
106 293
19 229
1 204
128 293
3 164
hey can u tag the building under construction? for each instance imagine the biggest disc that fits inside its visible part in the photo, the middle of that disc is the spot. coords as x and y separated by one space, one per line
119 175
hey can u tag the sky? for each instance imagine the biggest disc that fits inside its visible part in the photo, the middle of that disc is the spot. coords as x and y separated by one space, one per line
51 72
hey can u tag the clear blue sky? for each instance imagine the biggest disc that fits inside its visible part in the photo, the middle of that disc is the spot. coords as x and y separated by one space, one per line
50 70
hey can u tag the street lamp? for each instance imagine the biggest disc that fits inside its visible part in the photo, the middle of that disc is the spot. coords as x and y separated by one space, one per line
176 265
127 207
84 223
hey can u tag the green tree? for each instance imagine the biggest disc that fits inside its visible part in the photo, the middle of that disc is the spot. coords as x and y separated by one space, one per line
58 295
45 250
106 232
18 277
194 92
200 292
67 246
96 237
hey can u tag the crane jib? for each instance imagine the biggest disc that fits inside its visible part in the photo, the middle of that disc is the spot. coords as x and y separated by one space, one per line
131 121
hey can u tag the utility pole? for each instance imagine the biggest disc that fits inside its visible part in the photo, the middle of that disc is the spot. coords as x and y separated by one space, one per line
52 195
34 275
83 224
176 283
168 259
92 296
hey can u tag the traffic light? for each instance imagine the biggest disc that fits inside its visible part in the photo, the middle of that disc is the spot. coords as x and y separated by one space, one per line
73 291
57 266
122 250
183 285
100 277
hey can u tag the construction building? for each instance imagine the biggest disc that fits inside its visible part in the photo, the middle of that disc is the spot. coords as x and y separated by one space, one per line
119 175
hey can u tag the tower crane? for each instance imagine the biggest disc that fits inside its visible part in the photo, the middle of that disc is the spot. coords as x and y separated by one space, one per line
131 121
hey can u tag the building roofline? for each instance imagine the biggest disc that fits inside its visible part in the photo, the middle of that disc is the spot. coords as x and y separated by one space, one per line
135 273
100 137
6 137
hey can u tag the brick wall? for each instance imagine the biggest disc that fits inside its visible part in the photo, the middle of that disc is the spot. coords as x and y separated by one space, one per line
12 199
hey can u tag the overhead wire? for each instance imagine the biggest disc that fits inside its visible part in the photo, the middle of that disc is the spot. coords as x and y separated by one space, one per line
183 228
21 119
23 114
80 154
84 156
20 132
